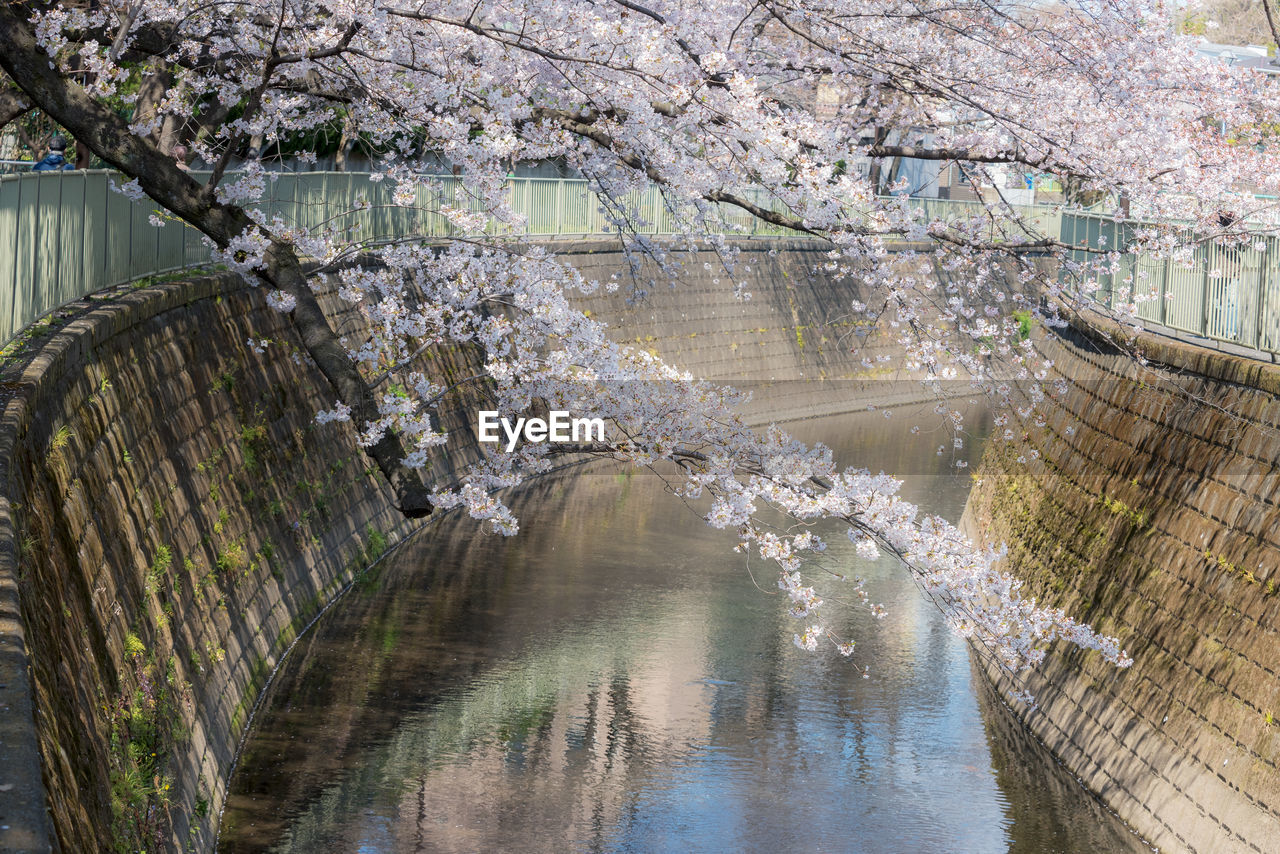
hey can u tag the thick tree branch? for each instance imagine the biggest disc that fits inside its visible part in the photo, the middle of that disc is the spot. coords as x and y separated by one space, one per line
106 133
12 104
966 154
110 138
1271 21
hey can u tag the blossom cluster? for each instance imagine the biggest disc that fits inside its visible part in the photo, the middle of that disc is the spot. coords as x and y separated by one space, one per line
788 114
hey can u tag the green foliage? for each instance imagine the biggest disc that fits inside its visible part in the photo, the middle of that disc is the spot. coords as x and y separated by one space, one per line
164 557
1230 568
133 646
161 278
375 544
226 382
159 567
211 462
207 580
146 724
59 443
1025 323
215 653
253 440
232 557
1138 518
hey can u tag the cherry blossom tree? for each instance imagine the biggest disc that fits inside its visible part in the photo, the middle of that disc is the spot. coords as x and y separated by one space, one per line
713 103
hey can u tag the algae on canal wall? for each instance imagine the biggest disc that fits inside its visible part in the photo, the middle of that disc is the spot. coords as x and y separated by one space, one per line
172 516
1152 513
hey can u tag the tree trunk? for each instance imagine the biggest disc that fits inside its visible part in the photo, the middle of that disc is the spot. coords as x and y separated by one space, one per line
155 82
13 105
108 136
344 147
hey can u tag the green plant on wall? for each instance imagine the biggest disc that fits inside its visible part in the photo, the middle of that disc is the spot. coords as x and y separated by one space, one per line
232 557
146 725
159 567
1025 324
226 382
253 441
60 442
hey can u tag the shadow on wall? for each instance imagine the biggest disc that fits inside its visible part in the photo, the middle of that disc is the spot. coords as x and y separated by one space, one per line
176 517
1151 514
179 517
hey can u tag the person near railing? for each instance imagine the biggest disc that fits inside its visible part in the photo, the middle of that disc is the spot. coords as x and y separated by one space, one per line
55 160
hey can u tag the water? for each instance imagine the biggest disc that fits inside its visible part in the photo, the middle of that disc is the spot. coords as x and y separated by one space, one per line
612 680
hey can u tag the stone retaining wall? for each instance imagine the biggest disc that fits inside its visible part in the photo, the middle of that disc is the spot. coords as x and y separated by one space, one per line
172 517
1152 513
796 344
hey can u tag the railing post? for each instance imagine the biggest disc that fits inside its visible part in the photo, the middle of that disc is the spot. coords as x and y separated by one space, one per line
559 206
1164 291
104 277
1264 283
1204 296
511 200
1114 240
17 244
47 300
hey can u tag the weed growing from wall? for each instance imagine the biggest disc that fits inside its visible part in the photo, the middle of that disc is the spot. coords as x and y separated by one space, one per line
145 724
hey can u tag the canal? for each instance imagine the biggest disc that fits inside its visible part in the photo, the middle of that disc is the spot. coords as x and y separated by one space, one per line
613 679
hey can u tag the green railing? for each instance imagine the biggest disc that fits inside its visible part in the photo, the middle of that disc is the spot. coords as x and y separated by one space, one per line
66 235
1224 293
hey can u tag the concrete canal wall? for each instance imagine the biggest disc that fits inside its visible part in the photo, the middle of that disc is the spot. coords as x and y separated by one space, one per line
171 517
1153 512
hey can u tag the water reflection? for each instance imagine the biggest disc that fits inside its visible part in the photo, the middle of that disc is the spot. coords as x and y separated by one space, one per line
611 680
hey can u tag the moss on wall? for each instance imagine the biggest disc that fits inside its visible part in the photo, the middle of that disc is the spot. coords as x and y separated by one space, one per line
1147 505
172 517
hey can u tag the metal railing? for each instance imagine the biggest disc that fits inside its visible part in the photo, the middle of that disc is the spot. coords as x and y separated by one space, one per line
1221 292
64 235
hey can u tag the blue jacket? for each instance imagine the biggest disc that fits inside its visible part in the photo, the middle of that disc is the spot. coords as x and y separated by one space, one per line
53 162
